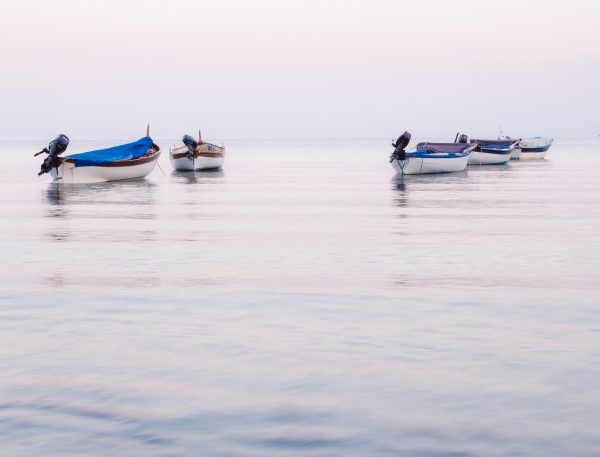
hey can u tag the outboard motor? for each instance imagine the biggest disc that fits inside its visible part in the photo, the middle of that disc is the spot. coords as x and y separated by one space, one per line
56 147
463 139
400 146
191 144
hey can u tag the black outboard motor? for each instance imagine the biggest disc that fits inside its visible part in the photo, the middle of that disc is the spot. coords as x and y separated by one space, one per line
463 139
400 146
191 144
56 147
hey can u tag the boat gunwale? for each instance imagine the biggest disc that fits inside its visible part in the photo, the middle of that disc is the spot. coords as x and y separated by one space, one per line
220 153
498 151
440 155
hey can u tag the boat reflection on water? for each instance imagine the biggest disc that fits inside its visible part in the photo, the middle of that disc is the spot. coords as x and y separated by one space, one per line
54 196
100 216
400 196
200 204
432 181
423 185
117 202
53 193
129 192
497 167
199 177
433 178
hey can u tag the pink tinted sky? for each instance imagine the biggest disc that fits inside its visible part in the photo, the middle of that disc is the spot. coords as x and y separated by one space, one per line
298 69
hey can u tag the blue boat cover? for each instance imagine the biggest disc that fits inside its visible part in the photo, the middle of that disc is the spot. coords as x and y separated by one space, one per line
102 156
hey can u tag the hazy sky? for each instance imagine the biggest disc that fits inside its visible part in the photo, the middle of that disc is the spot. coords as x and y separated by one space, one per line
298 69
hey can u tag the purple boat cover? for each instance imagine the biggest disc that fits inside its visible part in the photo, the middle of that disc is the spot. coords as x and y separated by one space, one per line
444 148
494 142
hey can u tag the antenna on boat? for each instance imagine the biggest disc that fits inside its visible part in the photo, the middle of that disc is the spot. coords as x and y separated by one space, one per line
199 136
148 130
456 137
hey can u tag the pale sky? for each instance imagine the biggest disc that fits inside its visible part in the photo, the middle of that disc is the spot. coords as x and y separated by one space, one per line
298 69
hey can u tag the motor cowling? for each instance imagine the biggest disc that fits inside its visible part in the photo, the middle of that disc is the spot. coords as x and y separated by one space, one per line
400 146
463 139
191 144
56 147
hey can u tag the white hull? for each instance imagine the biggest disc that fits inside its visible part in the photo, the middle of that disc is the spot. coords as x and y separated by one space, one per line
533 155
515 154
68 173
207 156
488 158
199 163
425 165
534 148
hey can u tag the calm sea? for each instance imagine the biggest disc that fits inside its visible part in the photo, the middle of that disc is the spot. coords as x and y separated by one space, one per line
302 302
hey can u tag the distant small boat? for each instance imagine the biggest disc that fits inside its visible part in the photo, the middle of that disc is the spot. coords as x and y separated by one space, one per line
492 152
197 155
534 148
127 161
429 157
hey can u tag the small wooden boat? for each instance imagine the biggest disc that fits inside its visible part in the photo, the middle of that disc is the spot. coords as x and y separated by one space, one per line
534 148
127 161
430 157
492 152
197 155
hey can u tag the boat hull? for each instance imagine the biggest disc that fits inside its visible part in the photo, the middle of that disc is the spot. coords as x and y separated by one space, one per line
206 157
532 154
535 148
431 164
198 163
67 172
490 157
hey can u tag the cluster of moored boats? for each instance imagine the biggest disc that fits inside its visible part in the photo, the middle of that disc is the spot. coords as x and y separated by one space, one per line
138 159
430 157
127 161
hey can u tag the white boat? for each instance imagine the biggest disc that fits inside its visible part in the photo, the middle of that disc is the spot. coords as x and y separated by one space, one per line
128 161
430 157
515 154
492 152
197 155
534 148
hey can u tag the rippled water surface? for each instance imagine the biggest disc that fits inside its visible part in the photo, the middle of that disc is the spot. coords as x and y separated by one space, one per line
303 302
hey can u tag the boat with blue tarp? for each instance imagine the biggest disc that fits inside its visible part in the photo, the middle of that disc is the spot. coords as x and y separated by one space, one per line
126 161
